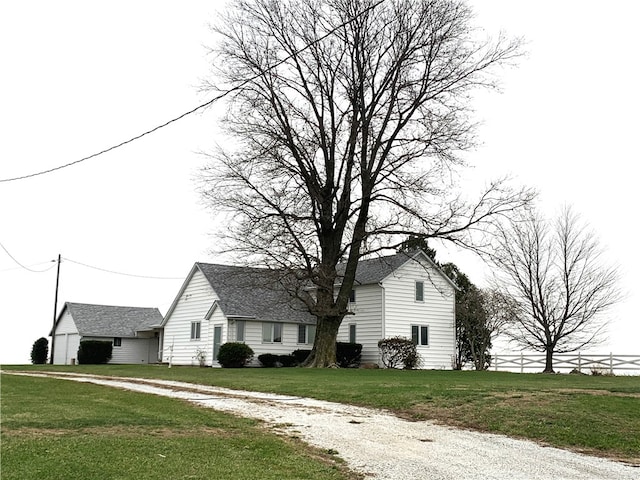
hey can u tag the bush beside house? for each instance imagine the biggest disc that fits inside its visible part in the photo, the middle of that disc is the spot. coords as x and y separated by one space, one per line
93 352
234 354
398 352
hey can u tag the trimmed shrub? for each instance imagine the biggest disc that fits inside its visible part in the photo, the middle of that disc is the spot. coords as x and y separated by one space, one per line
301 355
287 360
93 352
268 360
40 351
348 355
234 354
397 352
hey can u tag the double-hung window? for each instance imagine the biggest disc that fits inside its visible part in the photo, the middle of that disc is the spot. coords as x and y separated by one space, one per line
117 341
420 334
195 330
306 333
271 332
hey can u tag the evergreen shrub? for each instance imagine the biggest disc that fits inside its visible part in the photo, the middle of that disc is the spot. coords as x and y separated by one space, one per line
92 352
287 360
234 354
40 351
300 355
268 360
348 355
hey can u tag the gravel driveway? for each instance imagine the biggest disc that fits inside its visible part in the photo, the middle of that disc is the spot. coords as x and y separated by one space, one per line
381 445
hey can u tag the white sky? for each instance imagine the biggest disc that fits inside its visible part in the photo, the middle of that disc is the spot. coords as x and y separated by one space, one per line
79 77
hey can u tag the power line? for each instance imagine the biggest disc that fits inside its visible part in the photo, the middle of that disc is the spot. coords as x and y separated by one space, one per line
193 110
24 266
121 273
32 265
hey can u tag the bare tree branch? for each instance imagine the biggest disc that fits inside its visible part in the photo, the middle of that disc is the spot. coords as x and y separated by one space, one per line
346 135
558 282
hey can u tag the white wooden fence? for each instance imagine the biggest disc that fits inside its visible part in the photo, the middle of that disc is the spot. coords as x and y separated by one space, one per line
583 363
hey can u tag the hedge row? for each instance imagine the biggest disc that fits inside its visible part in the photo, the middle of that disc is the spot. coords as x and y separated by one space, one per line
94 352
347 355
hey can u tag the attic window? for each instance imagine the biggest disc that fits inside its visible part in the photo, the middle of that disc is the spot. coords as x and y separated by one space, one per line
419 291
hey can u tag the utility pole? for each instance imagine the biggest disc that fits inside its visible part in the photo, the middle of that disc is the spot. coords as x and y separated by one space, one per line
55 312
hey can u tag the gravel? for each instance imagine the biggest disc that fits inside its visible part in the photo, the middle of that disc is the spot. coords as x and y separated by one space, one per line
383 446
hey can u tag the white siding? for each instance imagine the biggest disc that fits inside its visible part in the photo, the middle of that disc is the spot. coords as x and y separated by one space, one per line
65 350
135 350
253 338
132 350
437 311
66 341
368 321
193 304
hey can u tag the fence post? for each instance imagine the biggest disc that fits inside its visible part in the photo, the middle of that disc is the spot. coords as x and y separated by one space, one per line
495 365
579 363
521 362
610 363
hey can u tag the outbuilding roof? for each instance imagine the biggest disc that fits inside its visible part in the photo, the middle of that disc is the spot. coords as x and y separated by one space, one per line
111 321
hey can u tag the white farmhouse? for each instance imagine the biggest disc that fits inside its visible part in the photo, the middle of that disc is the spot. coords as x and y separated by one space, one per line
133 331
399 295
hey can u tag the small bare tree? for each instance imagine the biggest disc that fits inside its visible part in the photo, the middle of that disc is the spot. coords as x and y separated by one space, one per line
555 282
347 118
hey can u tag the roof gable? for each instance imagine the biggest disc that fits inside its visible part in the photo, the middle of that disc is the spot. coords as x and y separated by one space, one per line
111 321
253 293
377 269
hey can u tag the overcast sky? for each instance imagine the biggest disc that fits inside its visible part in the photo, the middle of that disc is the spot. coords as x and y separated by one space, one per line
79 77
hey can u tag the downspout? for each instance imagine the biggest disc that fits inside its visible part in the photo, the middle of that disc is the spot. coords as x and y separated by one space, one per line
382 316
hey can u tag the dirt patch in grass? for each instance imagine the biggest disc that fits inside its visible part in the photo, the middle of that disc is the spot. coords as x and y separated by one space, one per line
585 391
117 431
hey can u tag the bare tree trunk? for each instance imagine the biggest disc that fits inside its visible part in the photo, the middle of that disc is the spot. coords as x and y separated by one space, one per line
548 361
324 348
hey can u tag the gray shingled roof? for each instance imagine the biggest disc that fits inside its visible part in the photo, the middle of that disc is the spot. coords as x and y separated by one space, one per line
254 293
374 270
258 294
112 321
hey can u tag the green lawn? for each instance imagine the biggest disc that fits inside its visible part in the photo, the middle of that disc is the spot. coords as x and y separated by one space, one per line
56 429
595 414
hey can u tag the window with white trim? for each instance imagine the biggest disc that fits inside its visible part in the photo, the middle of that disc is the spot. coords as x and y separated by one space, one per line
306 334
271 332
240 327
117 341
420 334
352 296
195 330
419 291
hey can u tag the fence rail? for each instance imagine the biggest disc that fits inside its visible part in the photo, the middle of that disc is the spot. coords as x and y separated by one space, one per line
607 363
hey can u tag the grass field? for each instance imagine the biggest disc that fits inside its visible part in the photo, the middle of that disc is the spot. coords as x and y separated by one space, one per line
56 429
593 414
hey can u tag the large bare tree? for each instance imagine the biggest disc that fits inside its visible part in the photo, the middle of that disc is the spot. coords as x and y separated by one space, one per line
557 284
345 121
